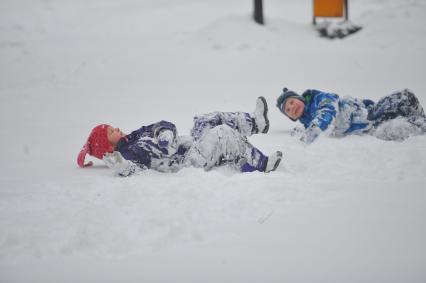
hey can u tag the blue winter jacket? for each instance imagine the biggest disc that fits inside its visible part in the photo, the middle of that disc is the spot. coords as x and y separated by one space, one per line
143 148
347 115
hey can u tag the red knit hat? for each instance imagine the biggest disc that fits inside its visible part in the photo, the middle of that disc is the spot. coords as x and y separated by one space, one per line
97 145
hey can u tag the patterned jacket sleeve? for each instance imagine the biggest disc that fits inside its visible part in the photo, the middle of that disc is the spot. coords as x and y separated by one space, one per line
153 130
161 126
324 109
326 106
165 133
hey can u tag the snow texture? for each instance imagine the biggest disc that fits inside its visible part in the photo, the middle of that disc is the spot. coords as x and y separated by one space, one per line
339 210
336 29
397 129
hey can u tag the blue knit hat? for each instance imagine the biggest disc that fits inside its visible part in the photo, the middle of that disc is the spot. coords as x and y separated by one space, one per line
281 100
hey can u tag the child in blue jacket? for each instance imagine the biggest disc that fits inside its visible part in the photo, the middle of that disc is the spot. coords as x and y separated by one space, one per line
393 117
217 138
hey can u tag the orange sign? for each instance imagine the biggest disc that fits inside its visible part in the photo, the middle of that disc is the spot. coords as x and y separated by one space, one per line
328 8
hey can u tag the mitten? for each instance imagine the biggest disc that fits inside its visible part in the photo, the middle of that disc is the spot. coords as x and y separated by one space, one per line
121 166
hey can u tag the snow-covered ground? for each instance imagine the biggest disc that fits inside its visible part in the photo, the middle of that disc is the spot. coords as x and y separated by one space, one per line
339 210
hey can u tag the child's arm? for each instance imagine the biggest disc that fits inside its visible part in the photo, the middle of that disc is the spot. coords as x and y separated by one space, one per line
165 138
153 130
310 134
121 166
164 133
326 105
157 128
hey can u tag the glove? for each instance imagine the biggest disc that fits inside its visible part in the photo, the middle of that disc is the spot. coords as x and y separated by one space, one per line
165 138
310 134
113 158
121 166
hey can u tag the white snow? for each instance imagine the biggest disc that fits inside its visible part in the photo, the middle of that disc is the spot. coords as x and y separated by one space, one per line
339 210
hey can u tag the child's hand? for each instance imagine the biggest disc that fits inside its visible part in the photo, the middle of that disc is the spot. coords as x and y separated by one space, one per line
297 132
121 166
310 134
113 158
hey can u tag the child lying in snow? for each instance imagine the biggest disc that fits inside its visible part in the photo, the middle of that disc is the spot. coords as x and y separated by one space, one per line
393 117
216 138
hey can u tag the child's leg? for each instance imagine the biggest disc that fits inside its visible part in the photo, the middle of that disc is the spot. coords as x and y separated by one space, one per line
398 104
223 144
400 128
239 121
246 124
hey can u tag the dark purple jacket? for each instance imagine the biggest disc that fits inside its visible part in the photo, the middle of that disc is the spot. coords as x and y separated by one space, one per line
144 148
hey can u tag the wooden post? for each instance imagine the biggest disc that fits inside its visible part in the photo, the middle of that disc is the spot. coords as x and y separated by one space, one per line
258 12
346 10
314 20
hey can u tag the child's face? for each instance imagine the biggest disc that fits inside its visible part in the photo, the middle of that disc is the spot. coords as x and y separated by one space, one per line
114 135
294 108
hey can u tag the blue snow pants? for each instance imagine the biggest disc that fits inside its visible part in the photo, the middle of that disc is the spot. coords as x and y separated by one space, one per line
398 104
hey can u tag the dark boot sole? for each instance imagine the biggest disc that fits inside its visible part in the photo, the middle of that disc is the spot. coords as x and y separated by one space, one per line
265 115
277 163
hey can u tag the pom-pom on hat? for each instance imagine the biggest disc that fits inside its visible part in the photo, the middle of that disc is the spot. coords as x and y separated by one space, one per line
97 145
281 100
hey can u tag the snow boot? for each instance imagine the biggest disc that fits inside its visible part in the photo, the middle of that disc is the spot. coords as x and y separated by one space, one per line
260 115
273 161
